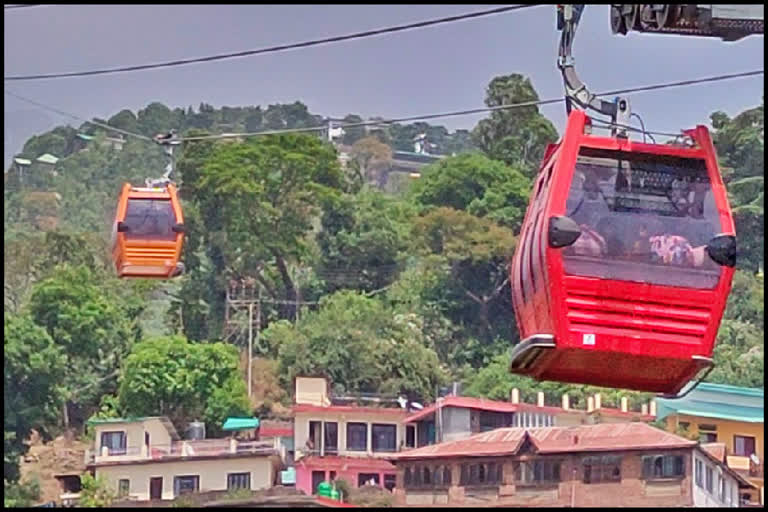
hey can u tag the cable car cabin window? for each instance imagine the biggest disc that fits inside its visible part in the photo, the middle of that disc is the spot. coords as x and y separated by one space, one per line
150 219
644 218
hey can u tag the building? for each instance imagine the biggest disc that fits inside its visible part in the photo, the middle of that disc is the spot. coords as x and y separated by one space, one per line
605 465
144 459
730 415
336 440
458 417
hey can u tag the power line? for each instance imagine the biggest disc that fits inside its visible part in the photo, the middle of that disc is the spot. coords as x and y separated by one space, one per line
457 113
21 6
278 48
78 118
631 90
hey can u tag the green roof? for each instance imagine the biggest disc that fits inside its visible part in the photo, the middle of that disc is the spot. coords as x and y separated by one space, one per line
84 136
99 421
725 388
47 159
717 401
22 161
241 423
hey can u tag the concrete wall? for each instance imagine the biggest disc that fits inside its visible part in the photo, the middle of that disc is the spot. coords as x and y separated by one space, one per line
302 420
456 423
311 391
134 434
726 429
212 473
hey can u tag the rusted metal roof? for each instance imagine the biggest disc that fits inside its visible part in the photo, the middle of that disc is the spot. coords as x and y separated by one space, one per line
336 463
271 428
717 450
582 438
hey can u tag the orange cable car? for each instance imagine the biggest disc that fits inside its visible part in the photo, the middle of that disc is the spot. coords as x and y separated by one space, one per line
148 233
624 264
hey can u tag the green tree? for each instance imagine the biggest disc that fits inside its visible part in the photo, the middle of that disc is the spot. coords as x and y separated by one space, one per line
471 255
95 492
34 370
258 200
92 322
172 377
362 241
476 184
360 345
516 136
20 494
740 144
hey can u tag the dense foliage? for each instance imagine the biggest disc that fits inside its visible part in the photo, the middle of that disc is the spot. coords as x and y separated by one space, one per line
396 293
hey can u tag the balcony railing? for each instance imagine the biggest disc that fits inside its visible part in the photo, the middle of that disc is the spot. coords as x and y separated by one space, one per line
179 449
746 465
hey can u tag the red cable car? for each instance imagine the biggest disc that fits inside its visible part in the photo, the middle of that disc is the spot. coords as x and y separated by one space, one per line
148 233
624 262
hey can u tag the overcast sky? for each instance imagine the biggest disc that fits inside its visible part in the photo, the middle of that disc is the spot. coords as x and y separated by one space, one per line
435 69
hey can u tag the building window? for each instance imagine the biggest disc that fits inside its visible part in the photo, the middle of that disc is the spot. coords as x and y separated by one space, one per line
367 479
447 476
537 472
331 437
114 441
707 433
186 484
123 487
384 438
238 481
721 488
710 479
389 481
663 466
410 436
699 473
407 478
357 437
743 446
602 469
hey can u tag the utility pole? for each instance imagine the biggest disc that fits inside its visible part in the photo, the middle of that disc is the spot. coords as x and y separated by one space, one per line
250 349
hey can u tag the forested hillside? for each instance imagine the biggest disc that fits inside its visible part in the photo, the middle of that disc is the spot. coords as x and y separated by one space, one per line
393 293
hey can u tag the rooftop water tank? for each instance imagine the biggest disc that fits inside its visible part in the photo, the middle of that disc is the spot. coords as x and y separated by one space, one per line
195 431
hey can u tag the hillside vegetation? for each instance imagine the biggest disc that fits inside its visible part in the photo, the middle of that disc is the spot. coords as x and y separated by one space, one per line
394 293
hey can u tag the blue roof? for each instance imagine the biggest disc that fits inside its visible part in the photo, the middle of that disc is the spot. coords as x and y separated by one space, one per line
718 401
241 423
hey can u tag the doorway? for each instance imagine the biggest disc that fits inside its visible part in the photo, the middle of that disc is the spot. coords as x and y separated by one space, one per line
156 488
317 477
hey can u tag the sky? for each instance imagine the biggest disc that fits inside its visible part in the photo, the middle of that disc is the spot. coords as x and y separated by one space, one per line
422 71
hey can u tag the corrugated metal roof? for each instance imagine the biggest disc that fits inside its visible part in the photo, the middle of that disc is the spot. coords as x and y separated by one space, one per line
47 159
583 438
22 161
717 450
725 388
163 419
334 462
240 423
690 406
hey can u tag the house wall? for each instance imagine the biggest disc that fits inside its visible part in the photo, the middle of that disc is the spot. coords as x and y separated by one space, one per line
702 497
456 423
571 491
302 419
312 391
726 429
213 474
134 436
304 476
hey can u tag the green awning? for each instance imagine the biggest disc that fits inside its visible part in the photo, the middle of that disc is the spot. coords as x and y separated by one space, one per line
241 423
84 136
